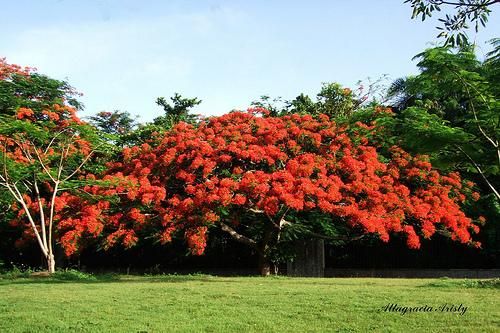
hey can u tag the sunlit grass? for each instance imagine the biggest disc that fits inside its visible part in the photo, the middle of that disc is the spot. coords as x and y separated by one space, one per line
72 302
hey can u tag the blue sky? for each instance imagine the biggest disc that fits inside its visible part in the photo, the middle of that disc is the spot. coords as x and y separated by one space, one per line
123 54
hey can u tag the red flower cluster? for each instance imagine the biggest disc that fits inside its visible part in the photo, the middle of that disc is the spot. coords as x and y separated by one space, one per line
186 178
8 70
46 155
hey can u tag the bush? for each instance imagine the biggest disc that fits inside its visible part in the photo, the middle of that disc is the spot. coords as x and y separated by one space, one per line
16 273
465 283
73 275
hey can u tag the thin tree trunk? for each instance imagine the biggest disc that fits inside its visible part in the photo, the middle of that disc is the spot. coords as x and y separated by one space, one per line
51 223
263 251
264 265
51 263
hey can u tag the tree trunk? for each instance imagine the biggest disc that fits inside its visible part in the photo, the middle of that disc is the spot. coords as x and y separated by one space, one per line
262 249
51 263
264 265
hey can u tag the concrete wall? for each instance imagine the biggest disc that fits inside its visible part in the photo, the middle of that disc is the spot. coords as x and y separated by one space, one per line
310 259
414 273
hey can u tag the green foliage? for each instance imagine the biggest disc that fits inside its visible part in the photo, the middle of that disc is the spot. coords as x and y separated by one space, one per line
275 106
40 136
36 92
16 273
114 126
427 132
438 88
174 113
449 109
453 26
491 66
383 134
45 150
302 104
332 100
177 111
451 112
59 276
335 101
73 275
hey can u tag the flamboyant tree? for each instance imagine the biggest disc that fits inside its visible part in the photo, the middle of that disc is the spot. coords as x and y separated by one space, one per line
44 149
253 176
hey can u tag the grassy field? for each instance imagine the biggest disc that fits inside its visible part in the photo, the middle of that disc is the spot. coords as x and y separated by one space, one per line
245 304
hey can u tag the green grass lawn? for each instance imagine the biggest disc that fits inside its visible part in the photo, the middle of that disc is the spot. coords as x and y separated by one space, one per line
243 304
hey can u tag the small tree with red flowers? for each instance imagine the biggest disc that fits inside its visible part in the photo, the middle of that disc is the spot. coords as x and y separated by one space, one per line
44 148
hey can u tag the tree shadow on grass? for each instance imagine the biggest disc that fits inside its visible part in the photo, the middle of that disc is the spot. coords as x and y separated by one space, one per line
84 278
464 283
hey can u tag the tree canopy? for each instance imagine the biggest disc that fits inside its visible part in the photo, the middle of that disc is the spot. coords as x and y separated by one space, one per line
254 176
451 110
44 152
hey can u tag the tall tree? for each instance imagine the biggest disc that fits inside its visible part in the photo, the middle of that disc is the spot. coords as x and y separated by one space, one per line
333 100
451 111
115 126
115 123
178 110
44 151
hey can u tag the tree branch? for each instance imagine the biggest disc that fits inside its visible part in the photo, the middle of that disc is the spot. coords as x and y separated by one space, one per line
311 233
52 140
238 237
51 216
20 199
42 214
495 144
347 239
6 175
80 166
463 4
478 168
47 171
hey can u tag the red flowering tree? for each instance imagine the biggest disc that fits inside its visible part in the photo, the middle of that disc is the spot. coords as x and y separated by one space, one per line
252 176
44 148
